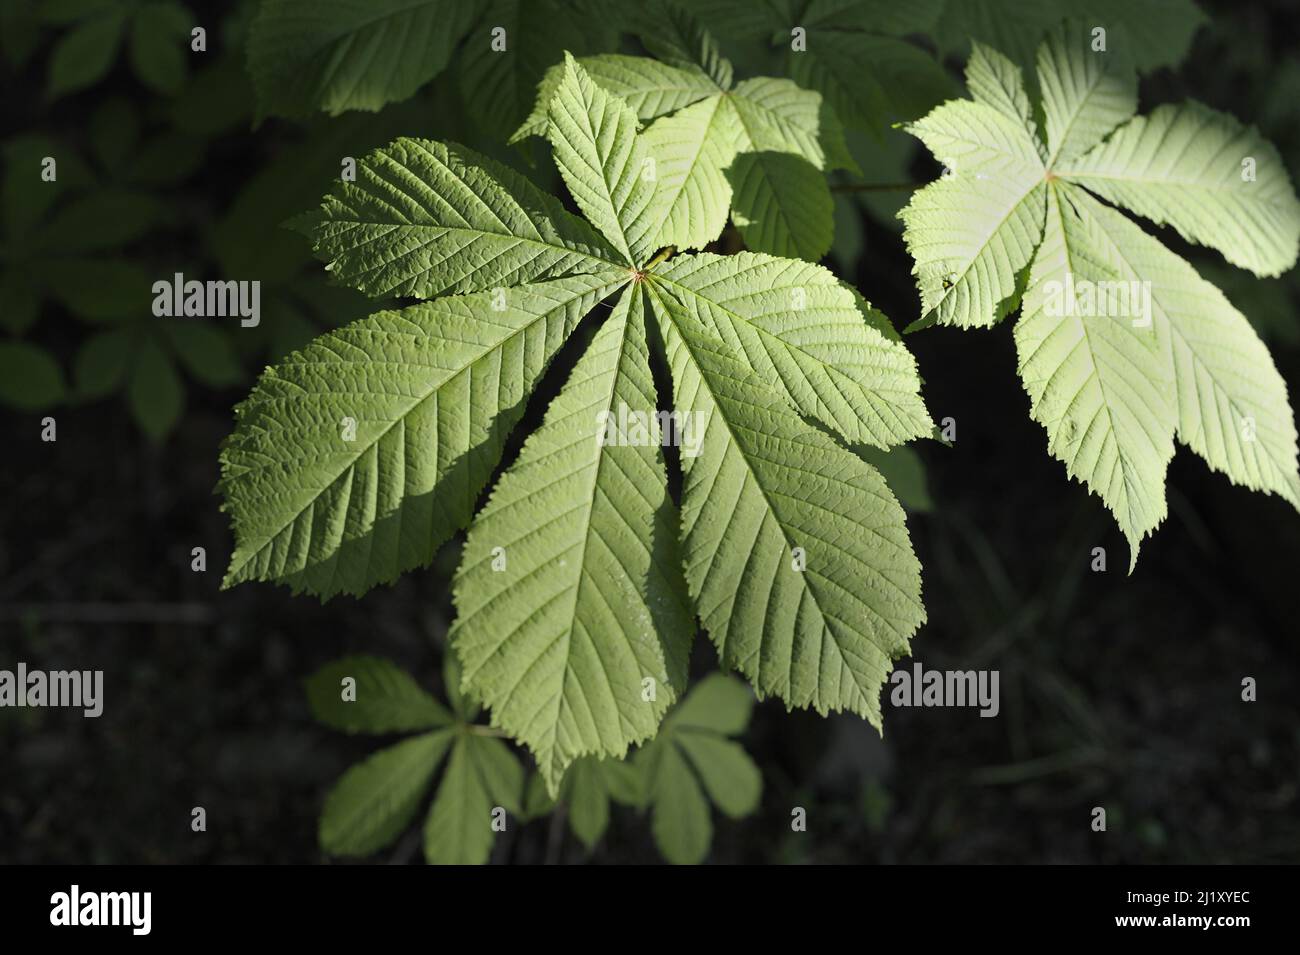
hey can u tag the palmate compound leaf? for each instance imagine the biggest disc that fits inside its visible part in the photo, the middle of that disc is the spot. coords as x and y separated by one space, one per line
563 638
378 798
574 619
1123 347
580 642
692 762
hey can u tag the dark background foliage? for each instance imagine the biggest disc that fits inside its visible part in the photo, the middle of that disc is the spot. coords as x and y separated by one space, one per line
1119 691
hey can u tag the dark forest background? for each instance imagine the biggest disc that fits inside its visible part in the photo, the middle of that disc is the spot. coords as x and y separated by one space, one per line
1121 691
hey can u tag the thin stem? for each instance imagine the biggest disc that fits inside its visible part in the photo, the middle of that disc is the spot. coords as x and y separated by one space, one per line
479 730
663 254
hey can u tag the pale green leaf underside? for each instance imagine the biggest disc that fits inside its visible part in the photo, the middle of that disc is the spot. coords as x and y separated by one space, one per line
605 163
977 141
777 115
481 775
759 151
426 218
1086 92
336 55
972 232
1113 395
803 333
1188 166
427 394
1231 402
691 149
589 605
971 240
1095 382
376 799
995 81
763 484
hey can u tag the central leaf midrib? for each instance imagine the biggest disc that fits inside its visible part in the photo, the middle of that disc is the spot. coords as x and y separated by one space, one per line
586 539
1130 484
519 239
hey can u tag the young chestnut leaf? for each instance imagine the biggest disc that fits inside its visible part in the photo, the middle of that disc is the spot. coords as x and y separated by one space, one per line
378 798
694 762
